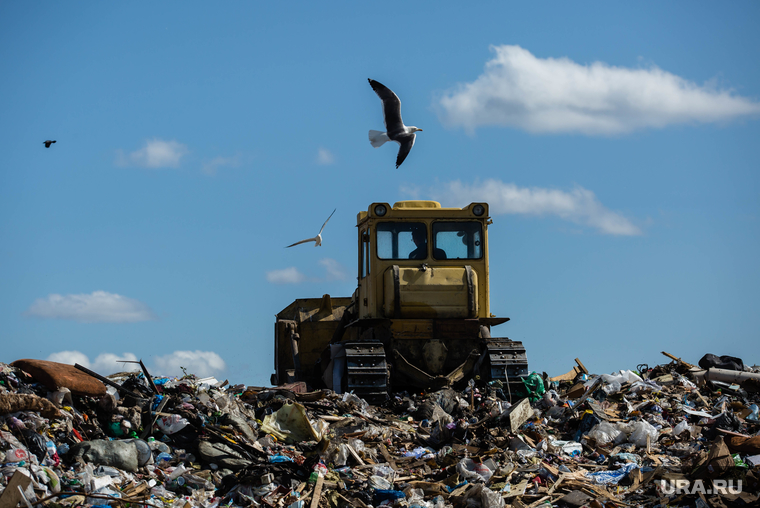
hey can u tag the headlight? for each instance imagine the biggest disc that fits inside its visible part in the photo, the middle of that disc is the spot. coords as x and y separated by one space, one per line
380 210
478 210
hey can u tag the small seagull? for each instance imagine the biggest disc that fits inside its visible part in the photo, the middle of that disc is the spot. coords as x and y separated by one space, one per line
317 239
394 126
48 143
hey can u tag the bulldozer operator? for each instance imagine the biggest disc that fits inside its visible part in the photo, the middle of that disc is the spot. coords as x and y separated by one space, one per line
420 240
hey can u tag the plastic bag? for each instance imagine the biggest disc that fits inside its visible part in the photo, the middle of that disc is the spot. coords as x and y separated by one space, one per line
172 424
362 404
417 499
291 425
417 452
645 386
533 387
474 471
682 426
605 433
622 376
337 454
487 497
607 477
571 448
380 483
639 431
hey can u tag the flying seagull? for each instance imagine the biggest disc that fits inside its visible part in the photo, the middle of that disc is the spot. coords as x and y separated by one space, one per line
317 239
48 143
395 130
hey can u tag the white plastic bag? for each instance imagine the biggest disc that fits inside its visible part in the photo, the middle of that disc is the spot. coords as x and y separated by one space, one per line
474 471
605 433
639 432
172 424
487 497
683 425
623 376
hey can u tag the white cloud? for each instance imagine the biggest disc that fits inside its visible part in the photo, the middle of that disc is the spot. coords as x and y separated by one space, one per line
211 167
105 364
70 358
325 156
335 270
289 275
110 363
553 95
578 205
98 307
200 363
156 153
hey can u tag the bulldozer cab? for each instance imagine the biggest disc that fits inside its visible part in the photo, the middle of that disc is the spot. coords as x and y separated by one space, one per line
419 260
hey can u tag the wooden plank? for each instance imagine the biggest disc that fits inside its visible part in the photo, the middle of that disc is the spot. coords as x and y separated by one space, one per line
387 456
11 496
596 384
556 484
356 455
536 503
568 376
679 360
317 492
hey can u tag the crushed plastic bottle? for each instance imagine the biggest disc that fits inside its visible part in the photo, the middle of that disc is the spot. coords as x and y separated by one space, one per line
178 471
158 446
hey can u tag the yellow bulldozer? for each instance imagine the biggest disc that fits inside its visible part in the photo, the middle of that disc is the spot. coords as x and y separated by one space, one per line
419 318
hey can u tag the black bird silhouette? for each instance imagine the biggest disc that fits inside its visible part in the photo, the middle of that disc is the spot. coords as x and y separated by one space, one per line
395 130
48 143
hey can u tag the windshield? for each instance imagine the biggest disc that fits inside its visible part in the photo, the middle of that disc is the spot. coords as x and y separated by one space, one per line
457 240
401 240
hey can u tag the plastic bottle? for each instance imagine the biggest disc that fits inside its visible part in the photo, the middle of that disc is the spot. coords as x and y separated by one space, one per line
158 446
177 471
754 415
163 457
52 454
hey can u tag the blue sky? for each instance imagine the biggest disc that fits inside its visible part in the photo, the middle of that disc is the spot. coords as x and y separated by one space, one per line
614 143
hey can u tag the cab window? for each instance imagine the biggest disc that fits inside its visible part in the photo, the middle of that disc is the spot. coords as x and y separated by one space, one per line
458 240
401 240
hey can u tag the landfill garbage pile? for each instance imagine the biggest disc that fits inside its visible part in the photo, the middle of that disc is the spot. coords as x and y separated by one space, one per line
672 435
